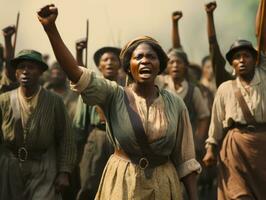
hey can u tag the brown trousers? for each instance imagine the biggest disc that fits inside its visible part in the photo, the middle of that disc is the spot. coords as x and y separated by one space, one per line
242 166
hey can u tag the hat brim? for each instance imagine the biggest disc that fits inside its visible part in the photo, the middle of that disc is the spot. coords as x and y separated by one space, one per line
98 54
14 62
229 55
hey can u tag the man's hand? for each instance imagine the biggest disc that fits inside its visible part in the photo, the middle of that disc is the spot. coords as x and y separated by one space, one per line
210 7
62 181
9 31
177 15
81 44
47 15
210 158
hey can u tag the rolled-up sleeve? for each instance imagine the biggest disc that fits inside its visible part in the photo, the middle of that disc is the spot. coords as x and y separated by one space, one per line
83 82
183 155
95 90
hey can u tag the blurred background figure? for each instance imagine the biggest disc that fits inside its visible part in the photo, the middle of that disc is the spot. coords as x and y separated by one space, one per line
59 84
8 79
90 124
207 78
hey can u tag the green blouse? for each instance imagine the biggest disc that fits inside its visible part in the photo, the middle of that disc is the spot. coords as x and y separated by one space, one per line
177 142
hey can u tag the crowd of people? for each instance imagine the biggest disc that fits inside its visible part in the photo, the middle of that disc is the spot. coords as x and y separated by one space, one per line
152 125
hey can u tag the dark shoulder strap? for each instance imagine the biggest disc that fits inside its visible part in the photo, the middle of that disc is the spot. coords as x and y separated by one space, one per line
243 105
136 122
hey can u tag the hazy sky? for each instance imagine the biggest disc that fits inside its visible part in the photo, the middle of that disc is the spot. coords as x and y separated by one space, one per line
114 22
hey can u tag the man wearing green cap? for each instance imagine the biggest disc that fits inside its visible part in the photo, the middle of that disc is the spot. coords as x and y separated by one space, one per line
37 130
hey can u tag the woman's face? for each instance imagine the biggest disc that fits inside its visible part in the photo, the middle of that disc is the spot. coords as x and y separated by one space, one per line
176 67
207 71
144 64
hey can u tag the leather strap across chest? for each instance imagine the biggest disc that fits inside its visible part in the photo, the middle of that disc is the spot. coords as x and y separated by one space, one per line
243 105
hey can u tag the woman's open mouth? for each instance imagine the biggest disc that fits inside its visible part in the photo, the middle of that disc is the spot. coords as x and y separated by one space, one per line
145 72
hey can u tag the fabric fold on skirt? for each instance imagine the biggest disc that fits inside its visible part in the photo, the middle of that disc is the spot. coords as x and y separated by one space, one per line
123 180
242 166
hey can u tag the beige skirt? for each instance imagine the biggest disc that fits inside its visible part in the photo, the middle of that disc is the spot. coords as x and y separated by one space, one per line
123 180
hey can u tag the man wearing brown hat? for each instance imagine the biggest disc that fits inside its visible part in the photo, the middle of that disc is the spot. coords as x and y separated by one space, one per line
89 124
239 111
37 131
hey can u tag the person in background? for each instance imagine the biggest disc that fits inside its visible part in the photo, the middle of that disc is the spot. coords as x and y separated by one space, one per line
177 81
58 83
183 79
8 79
90 124
217 60
39 136
207 78
11 181
237 132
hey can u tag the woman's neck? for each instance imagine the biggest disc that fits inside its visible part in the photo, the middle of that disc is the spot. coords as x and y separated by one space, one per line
147 91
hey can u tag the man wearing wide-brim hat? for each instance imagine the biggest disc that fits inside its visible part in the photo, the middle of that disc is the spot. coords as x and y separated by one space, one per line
238 127
37 131
102 55
94 159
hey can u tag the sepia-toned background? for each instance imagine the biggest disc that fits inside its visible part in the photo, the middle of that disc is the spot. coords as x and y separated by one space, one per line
114 22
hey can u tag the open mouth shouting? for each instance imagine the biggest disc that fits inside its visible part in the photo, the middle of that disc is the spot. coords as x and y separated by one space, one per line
145 72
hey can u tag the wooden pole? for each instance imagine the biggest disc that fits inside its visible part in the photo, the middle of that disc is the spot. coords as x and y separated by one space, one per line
260 36
16 34
87 40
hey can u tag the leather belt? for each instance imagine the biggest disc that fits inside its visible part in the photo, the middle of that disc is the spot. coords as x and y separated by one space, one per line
143 162
23 154
258 127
